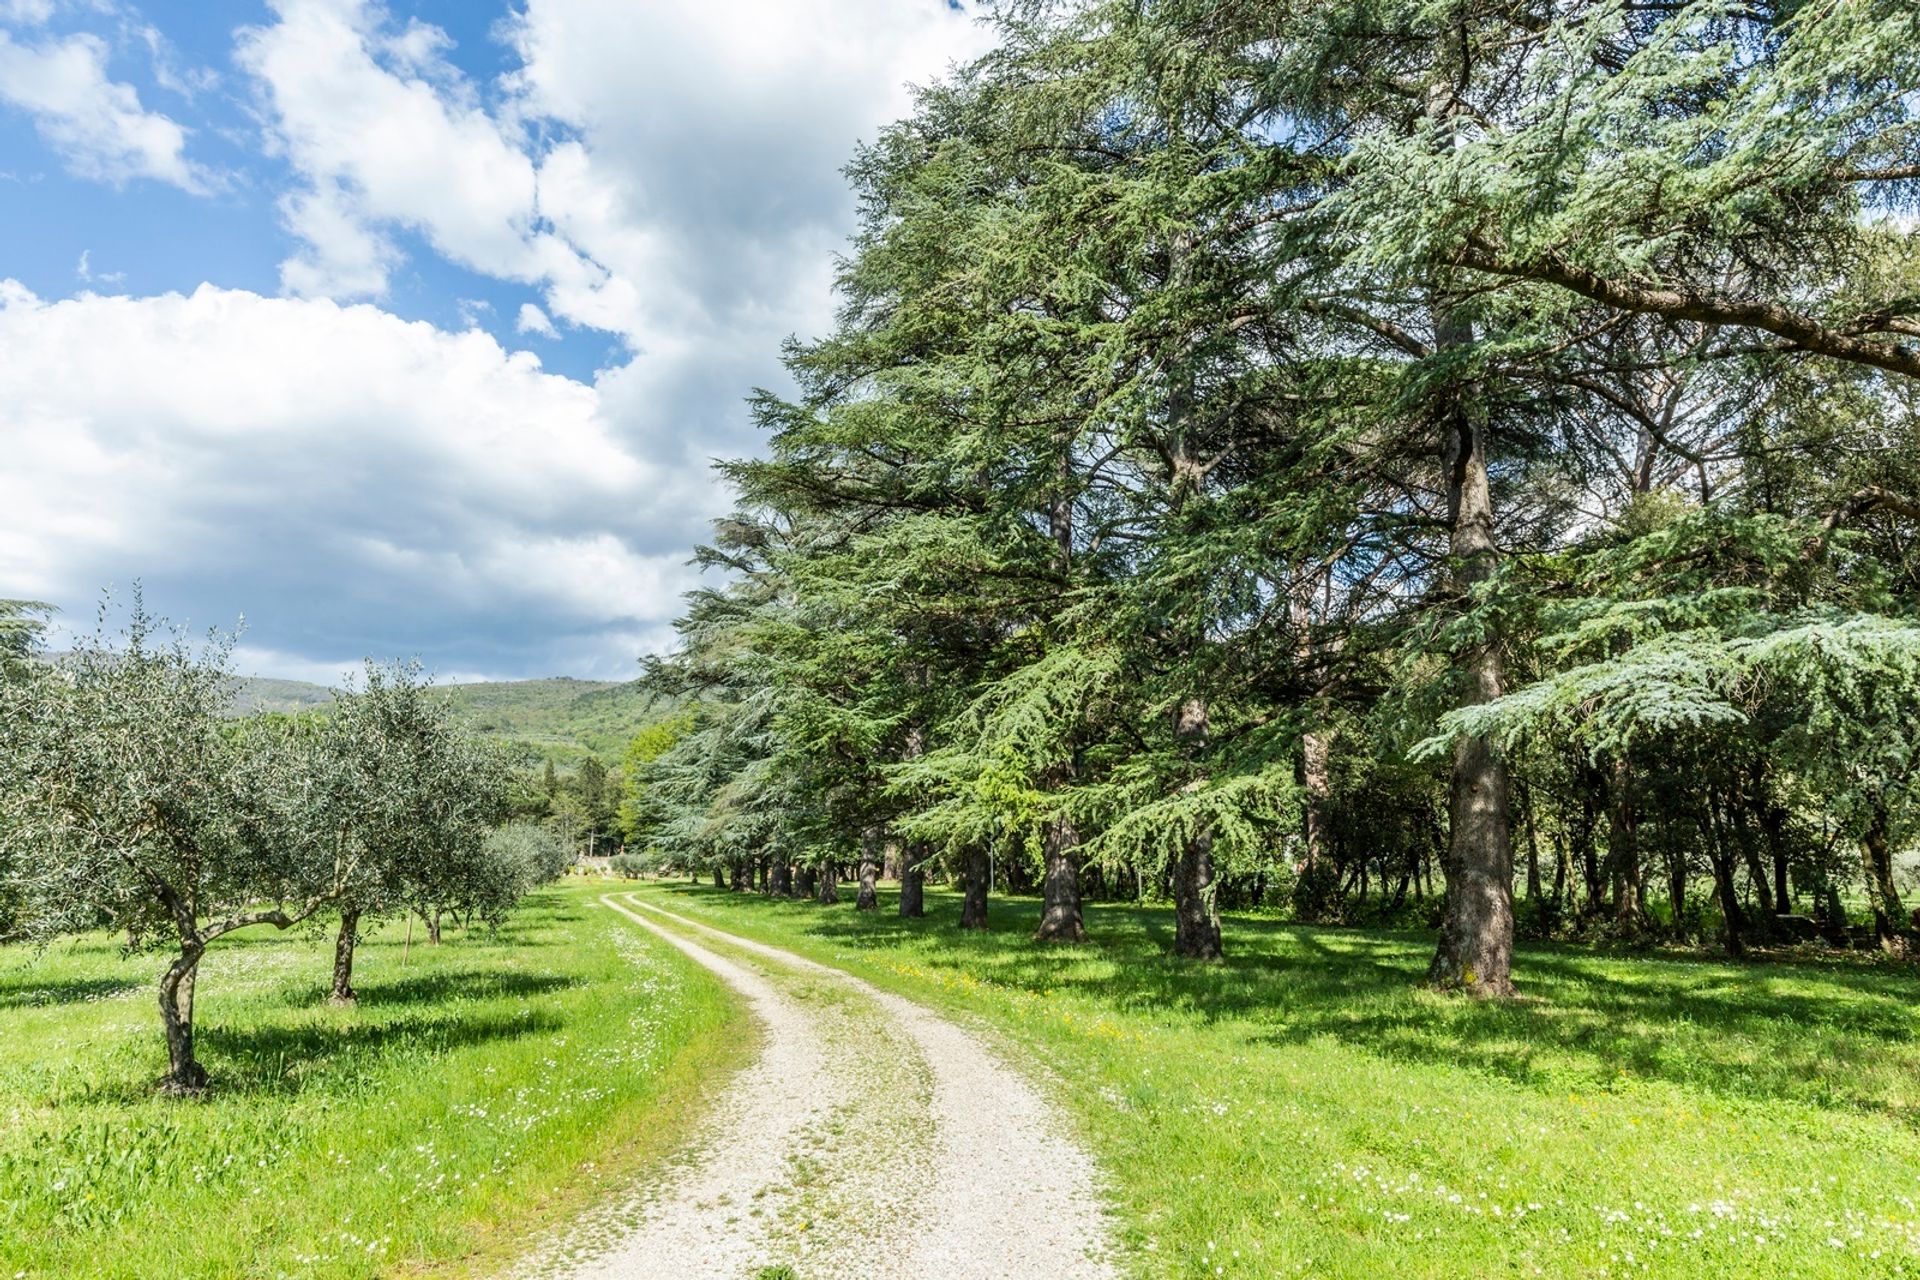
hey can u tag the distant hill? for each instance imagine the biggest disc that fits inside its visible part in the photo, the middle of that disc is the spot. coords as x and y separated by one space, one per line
261 693
560 717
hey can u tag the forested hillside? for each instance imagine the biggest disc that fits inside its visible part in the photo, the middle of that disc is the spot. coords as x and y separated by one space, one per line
559 716
1450 462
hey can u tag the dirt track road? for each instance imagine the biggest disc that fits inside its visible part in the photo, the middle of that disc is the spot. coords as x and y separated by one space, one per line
870 1138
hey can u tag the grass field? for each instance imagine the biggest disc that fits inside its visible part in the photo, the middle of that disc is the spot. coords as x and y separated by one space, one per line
1305 1109
480 1093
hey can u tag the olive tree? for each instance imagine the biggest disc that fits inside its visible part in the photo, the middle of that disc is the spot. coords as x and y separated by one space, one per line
131 801
414 793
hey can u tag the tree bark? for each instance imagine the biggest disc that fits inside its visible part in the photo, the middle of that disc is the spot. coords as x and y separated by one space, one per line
1876 853
1196 913
343 946
1738 817
1475 954
1196 921
829 883
1732 919
1060 917
979 874
1533 844
433 926
783 878
1317 778
913 882
184 1075
1623 848
719 876
868 899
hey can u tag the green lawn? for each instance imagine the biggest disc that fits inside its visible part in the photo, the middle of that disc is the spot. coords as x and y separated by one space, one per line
1305 1109
480 1092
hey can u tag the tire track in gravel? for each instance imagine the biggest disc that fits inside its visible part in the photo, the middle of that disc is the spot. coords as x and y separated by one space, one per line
870 1139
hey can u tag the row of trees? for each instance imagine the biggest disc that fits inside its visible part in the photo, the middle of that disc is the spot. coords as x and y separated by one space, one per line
131 801
1294 450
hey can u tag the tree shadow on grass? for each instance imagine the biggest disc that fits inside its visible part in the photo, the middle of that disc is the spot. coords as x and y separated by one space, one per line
474 984
1826 1032
29 994
290 1058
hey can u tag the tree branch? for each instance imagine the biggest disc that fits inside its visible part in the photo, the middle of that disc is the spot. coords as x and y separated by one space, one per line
1702 307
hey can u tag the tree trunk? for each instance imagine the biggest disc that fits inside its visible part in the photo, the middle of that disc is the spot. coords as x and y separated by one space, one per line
1561 856
1589 781
1623 848
1060 919
1196 920
979 874
868 899
343 946
1317 779
1533 844
1677 890
1060 879
1876 854
1475 954
184 1075
719 876
763 871
740 875
783 878
1196 912
433 926
913 882
1737 813
829 883
1733 920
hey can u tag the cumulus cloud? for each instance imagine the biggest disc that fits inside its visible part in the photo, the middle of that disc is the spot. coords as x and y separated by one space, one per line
695 180
668 174
96 124
533 320
356 482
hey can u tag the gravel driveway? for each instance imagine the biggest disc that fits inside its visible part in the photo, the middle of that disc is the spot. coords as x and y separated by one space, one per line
869 1139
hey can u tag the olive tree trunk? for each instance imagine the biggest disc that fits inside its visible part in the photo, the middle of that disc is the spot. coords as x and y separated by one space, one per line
343 946
184 1073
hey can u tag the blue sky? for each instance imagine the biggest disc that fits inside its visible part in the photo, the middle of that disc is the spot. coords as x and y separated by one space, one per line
410 330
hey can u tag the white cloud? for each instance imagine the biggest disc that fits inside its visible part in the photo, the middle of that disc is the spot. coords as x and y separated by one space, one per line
666 173
696 185
351 481
383 146
26 12
533 320
97 125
